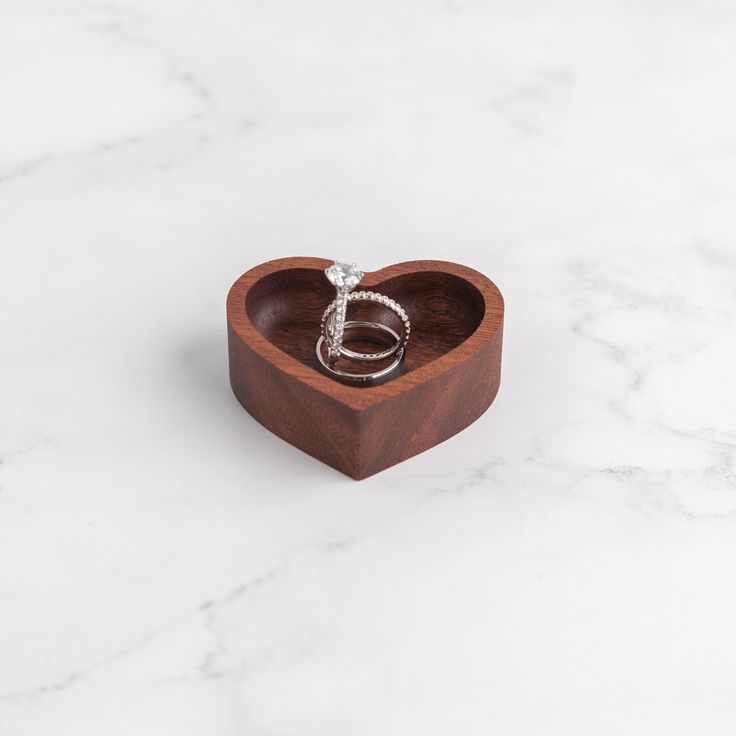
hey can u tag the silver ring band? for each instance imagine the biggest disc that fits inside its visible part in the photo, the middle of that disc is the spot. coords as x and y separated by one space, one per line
361 378
369 331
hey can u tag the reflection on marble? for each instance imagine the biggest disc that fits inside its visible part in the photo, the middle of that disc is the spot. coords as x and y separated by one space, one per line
564 566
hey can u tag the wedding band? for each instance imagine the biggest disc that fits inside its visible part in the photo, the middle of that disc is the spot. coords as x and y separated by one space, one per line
372 332
369 331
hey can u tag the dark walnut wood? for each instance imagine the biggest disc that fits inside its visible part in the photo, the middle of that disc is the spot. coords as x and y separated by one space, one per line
450 376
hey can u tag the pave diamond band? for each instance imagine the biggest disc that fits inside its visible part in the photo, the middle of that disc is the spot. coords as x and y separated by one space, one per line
332 325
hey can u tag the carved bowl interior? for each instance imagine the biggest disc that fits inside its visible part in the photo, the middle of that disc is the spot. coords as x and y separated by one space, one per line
286 308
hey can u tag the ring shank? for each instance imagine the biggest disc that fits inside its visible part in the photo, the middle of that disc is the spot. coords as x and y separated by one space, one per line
367 330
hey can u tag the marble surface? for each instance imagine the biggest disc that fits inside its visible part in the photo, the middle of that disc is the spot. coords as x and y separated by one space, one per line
564 566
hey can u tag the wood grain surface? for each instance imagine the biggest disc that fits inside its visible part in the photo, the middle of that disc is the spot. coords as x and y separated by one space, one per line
450 376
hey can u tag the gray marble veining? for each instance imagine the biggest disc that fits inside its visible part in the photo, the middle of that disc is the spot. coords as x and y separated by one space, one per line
564 566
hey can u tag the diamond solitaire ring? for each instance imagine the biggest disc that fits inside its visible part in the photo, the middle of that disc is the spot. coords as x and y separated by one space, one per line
344 277
335 327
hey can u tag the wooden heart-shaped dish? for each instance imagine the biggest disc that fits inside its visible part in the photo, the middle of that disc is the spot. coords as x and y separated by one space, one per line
450 376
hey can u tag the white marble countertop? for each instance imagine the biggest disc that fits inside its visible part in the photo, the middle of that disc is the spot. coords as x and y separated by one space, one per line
564 566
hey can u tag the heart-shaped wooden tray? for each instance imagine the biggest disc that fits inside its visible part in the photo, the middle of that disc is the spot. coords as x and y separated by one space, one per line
450 376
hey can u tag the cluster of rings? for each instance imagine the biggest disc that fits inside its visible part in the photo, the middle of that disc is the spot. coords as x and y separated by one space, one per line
335 328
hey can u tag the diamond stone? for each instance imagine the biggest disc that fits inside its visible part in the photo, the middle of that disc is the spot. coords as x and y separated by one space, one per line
344 275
